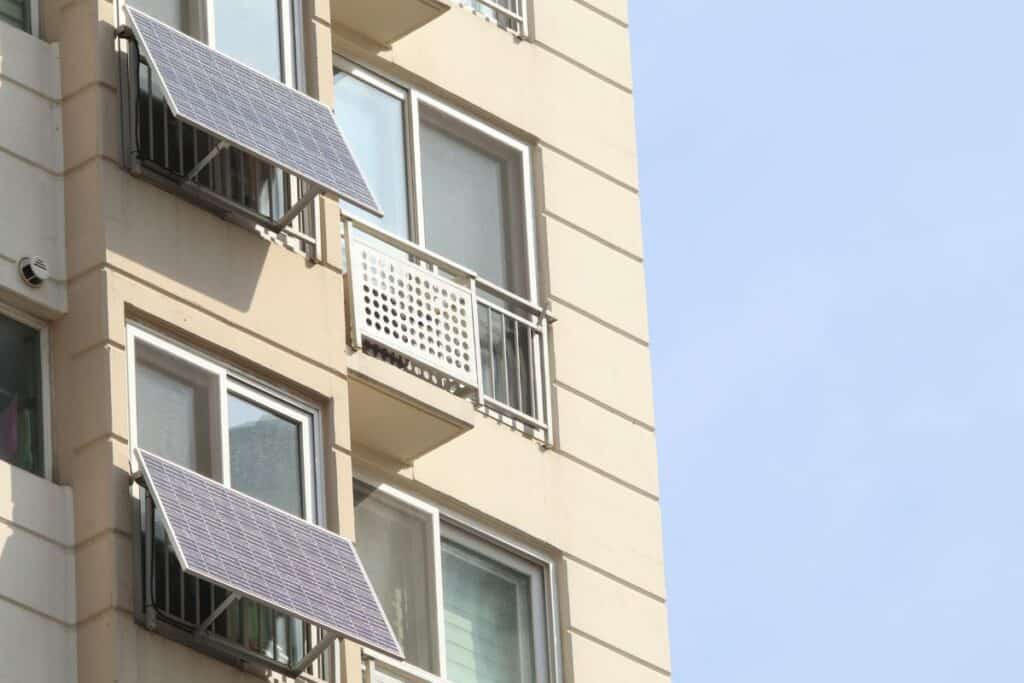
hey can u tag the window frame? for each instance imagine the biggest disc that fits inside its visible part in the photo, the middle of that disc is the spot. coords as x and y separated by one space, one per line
413 100
230 380
45 380
478 538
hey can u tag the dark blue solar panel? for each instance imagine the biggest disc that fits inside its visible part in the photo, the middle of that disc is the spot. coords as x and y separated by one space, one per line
266 554
250 110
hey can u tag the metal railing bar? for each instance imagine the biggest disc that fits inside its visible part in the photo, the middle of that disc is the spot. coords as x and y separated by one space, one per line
494 403
519 365
149 106
490 353
505 294
536 327
505 362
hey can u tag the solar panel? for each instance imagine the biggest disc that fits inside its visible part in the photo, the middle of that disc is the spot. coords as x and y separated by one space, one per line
264 117
266 554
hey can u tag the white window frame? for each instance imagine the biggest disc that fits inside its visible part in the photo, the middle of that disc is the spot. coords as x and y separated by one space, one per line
413 100
289 27
45 380
231 381
447 524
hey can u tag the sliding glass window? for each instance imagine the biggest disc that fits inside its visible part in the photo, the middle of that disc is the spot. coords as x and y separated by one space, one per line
21 396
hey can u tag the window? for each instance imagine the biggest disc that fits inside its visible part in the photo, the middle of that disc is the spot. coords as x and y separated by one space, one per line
445 182
490 604
21 14
258 33
22 395
209 418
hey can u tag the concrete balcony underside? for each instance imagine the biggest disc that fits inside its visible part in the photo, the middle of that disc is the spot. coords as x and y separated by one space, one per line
397 415
385 21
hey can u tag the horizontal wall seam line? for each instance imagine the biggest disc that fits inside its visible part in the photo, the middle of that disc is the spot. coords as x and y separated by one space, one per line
597 238
607 475
31 162
593 317
95 538
583 67
606 15
660 599
74 279
29 608
602 404
32 532
67 97
110 609
99 156
256 335
620 651
590 167
109 436
92 347
6 78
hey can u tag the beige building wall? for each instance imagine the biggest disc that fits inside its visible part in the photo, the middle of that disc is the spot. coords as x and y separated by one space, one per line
37 586
138 253
31 165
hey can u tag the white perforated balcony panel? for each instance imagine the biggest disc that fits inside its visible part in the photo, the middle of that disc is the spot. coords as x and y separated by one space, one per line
249 110
265 554
414 312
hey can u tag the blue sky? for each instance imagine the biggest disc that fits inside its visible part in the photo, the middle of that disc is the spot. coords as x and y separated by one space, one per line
833 197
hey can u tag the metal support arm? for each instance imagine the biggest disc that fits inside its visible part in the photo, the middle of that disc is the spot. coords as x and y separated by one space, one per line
313 653
208 621
206 160
309 195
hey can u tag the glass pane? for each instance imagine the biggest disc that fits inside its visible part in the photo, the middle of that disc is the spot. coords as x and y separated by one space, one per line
174 405
374 126
266 455
250 31
394 544
472 203
171 12
21 401
487 619
15 13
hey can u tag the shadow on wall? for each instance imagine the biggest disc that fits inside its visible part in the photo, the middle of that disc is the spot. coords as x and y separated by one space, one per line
177 247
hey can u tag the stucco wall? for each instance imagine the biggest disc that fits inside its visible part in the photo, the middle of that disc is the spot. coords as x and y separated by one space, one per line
31 165
37 594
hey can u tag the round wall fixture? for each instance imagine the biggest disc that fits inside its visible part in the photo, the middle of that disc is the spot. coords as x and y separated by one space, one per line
34 271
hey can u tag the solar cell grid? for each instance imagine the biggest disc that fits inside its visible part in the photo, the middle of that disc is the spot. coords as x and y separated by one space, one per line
266 554
250 110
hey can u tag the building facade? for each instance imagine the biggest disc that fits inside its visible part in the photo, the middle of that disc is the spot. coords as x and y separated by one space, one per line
376 264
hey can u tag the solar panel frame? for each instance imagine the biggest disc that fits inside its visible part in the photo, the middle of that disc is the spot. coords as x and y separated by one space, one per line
150 463
358 191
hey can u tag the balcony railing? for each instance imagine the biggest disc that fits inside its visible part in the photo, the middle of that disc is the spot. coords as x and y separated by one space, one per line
508 14
209 172
442 322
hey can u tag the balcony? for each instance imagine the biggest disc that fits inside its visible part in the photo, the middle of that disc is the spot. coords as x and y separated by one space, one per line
385 21
452 337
